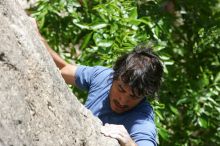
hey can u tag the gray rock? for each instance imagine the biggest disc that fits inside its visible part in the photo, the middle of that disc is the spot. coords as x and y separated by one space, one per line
26 4
36 107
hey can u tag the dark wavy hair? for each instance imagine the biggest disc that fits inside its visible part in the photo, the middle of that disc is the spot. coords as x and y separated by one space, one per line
141 69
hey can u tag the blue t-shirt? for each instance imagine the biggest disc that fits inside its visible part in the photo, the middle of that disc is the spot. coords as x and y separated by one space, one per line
139 121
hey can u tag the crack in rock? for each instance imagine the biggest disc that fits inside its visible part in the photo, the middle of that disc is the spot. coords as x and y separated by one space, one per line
5 61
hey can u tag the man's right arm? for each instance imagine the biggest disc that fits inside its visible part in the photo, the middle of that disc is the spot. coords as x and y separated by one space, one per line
67 70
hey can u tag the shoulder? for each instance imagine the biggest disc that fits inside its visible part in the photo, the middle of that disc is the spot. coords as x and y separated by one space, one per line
143 111
95 70
140 124
87 76
142 115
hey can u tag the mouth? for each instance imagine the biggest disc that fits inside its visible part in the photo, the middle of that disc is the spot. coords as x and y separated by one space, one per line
119 106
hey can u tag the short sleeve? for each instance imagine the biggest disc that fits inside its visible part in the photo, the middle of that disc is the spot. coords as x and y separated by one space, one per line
141 127
89 76
144 134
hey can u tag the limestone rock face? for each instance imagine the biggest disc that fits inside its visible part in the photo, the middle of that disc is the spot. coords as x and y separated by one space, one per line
36 107
26 4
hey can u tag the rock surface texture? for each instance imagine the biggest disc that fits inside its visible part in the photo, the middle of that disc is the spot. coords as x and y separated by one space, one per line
36 107
26 4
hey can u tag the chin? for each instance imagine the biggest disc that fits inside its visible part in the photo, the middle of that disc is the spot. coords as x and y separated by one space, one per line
115 109
118 111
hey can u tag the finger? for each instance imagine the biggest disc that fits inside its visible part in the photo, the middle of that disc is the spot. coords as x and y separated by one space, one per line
112 132
116 136
116 128
103 129
107 124
120 138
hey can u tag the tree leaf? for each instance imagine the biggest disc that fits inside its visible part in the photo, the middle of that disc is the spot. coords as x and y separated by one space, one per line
174 110
202 122
105 43
86 40
98 26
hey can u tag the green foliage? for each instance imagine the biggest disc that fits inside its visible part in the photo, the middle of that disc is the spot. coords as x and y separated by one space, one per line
185 33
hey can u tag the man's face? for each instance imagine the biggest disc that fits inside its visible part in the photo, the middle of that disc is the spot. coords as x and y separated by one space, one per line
122 98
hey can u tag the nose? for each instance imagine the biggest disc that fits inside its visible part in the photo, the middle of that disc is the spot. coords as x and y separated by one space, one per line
123 101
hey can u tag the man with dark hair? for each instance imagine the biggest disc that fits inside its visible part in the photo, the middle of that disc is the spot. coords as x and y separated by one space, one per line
118 96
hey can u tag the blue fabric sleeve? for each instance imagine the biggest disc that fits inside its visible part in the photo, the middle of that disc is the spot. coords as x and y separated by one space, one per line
144 134
142 127
83 77
87 77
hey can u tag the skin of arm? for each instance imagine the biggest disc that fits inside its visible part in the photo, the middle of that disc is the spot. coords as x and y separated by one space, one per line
67 70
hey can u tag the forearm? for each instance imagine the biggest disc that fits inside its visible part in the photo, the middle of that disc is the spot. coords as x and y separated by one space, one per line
130 143
67 70
57 59
134 144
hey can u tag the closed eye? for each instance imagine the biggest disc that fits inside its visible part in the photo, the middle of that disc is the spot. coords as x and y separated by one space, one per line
121 89
133 97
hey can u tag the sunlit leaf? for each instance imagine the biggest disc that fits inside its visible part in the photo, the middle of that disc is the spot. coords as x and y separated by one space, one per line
174 110
217 78
163 133
104 43
82 26
159 114
182 101
86 40
98 26
202 122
